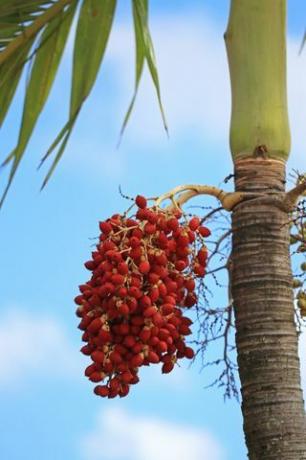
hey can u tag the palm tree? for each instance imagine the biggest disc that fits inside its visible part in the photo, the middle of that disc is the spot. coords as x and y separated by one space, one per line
261 278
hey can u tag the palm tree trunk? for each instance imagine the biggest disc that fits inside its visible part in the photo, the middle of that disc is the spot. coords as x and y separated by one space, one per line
266 337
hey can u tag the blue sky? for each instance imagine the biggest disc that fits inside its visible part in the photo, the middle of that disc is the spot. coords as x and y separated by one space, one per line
48 409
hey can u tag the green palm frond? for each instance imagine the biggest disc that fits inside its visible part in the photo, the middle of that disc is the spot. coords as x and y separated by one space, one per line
37 31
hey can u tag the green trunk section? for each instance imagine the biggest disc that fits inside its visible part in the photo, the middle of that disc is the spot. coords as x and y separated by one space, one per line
256 47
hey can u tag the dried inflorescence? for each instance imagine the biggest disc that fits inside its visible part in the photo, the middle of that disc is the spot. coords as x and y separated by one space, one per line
144 272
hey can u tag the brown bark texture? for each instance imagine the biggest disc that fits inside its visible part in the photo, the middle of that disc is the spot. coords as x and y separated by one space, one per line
266 336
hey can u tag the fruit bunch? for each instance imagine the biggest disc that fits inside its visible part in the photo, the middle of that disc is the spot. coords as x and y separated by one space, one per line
144 272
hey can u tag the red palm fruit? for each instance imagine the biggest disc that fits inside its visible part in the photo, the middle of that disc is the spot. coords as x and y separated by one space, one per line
104 336
167 308
135 292
105 227
134 242
170 299
86 350
162 290
122 367
153 357
202 255
150 312
180 345
183 239
145 301
101 390
138 233
109 245
158 320
153 278
163 334
123 268
79 300
106 266
84 287
169 340
129 341
135 380
162 346
184 329
114 383
171 286
137 360
172 223
149 228
199 270
204 231
171 349
189 284
161 271
136 253
167 367
107 288
172 245
126 376
162 240
174 321
137 348
141 201
124 390
182 251
116 257
96 377
131 222
194 223
188 353
154 330
137 320
83 324
117 279
180 265
90 369
153 341
108 367
123 328
132 303
180 354
115 357
161 258
135 281
95 326
120 349
152 217
113 393
122 292
144 267
123 309
98 356
90 265
187 321
85 336
190 300
145 334
191 236
167 358
154 294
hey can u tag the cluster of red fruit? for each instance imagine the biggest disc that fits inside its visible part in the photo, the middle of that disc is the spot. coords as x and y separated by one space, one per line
143 276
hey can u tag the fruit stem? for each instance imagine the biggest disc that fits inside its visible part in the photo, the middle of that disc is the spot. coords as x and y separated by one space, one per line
227 199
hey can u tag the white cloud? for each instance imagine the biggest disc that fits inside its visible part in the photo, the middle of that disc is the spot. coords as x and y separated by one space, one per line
119 435
34 344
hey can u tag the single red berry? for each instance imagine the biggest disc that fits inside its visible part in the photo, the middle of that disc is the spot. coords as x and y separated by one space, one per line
167 367
188 353
141 201
204 231
194 223
101 390
144 267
